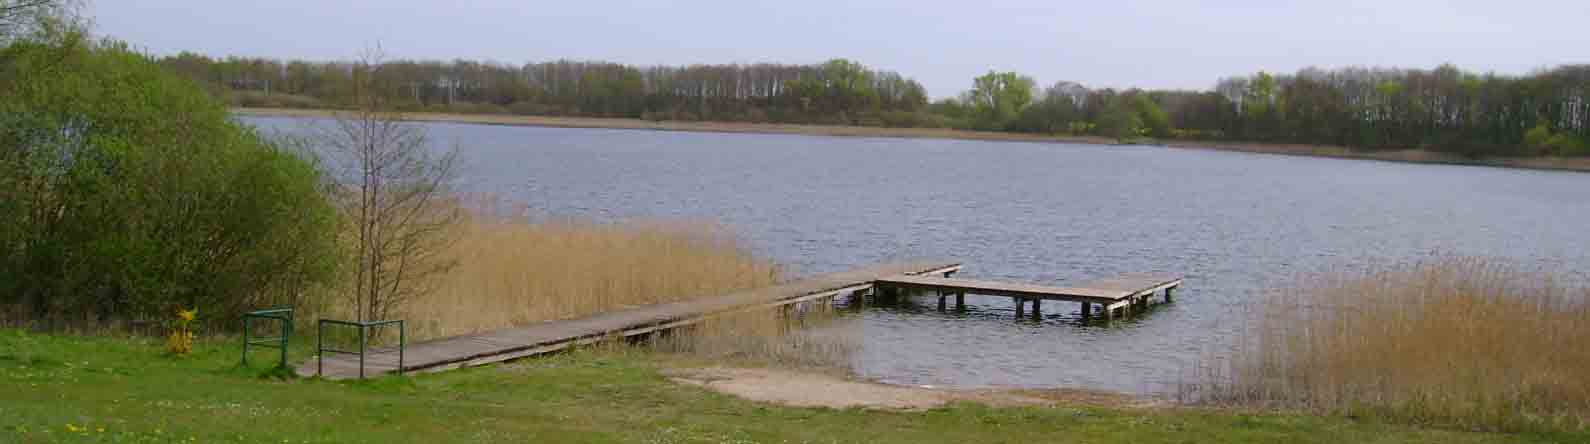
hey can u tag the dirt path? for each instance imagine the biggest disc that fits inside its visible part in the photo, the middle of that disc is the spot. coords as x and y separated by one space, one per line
821 390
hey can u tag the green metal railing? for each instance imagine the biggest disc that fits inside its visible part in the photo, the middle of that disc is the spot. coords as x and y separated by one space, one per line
364 342
282 315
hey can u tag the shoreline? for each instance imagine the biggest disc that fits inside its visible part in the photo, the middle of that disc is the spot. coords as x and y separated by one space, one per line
797 387
1335 152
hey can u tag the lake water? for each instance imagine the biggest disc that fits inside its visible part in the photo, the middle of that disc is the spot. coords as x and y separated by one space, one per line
1234 224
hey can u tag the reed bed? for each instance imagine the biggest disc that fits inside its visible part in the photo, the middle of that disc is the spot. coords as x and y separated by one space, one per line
1462 342
809 336
513 273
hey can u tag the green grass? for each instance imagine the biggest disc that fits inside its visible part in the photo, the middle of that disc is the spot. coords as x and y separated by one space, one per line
124 390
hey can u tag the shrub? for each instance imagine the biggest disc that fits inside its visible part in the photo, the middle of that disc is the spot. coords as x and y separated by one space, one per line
1537 137
913 119
256 99
1541 140
532 109
868 119
180 341
1567 145
126 191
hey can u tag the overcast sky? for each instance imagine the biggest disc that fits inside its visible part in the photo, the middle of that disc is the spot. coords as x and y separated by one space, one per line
943 44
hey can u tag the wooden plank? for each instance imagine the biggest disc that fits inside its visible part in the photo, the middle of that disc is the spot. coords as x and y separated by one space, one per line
545 337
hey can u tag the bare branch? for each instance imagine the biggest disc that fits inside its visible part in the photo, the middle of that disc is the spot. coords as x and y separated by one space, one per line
395 191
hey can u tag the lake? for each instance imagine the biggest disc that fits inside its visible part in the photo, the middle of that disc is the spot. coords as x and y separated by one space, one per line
1235 224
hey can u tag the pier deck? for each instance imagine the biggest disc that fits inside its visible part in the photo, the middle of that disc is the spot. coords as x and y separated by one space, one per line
1121 292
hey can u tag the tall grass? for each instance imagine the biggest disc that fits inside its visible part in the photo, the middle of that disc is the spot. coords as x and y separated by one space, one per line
513 273
1462 342
808 336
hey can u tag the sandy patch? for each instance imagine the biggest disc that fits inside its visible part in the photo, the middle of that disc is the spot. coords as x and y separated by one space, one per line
821 390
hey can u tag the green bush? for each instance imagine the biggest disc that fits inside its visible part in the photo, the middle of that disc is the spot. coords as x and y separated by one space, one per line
913 119
127 192
1537 137
1567 145
1542 141
258 99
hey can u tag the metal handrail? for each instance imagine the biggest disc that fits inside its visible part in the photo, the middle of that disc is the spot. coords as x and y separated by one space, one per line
364 327
283 315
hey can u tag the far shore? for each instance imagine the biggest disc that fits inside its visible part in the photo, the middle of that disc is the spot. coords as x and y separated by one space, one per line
1406 155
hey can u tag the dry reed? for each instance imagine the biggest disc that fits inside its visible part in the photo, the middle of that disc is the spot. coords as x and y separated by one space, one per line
1462 342
514 273
808 336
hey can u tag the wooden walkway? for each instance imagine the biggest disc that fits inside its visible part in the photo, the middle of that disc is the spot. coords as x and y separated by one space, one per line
514 343
1121 293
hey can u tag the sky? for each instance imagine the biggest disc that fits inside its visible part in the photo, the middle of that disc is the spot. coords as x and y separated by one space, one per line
943 44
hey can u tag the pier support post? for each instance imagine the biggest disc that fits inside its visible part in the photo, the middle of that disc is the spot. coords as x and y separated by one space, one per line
1037 308
1168 291
960 300
942 297
1021 304
1087 310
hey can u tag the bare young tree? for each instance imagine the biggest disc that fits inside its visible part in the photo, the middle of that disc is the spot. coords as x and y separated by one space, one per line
395 190
27 18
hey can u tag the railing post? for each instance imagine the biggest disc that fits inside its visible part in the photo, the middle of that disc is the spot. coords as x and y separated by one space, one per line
287 332
245 340
320 347
284 318
403 344
363 342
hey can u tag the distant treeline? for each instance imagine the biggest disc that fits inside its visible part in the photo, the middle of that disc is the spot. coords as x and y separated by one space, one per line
837 92
1443 109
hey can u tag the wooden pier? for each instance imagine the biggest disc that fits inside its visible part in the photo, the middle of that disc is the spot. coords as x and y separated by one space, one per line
1125 293
546 337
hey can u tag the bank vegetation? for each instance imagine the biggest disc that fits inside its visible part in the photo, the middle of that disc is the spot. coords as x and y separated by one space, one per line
1463 342
1443 109
128 194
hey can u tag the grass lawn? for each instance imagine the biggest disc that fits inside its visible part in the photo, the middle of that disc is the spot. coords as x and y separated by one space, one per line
93 389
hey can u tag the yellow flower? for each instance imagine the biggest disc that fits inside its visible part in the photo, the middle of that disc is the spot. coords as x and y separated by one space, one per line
187 315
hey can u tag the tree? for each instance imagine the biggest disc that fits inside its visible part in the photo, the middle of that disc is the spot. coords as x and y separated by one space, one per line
997 97
1258 106
1121 119
395 192
1444 108
1053 113
126 192
36 18
1155 122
